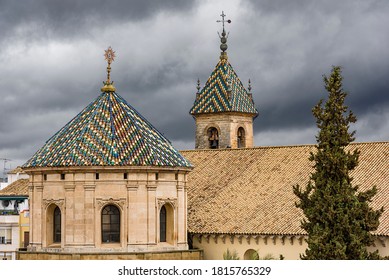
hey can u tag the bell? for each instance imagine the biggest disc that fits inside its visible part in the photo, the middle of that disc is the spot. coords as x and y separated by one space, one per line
213 144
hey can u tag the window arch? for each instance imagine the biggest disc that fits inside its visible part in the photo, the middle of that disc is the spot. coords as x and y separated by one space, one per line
162 224
166 224
213 138
110 224
241 138
251 254
57 225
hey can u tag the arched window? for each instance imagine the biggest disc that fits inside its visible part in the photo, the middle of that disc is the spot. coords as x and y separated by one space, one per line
110 224
57 225
251 254
213 138
162 224
241 138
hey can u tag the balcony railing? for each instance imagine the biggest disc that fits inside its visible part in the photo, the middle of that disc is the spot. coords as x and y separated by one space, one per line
9 212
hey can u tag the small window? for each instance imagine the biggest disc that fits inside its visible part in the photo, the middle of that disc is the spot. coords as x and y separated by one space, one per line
156 176
45 177
241 138
63 176
251 254
57 225
176 176
125 176
5 236
162 224
97 176
213 138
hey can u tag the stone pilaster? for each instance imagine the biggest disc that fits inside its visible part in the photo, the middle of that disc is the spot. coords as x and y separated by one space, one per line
181 214
69 214
89 220
37 218
132 210
151 213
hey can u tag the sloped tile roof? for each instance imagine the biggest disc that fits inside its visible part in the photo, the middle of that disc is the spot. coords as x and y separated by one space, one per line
214 97
17 188
16 171
108 132
249 191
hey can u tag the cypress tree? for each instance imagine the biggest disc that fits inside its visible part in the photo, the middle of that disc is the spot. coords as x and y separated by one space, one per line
338 218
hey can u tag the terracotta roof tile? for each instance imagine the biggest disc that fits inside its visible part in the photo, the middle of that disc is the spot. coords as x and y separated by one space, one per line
17 188
16 171
249 191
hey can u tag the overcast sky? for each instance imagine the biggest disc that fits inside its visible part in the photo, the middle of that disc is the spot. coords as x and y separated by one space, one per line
52 64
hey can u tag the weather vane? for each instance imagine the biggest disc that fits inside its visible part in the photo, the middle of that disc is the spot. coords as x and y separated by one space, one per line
109 55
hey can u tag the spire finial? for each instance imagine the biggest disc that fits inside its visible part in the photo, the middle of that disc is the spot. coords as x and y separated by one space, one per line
198 85
109 55
223 37
249 93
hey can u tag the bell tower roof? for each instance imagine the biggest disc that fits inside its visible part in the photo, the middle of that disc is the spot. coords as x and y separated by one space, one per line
223 91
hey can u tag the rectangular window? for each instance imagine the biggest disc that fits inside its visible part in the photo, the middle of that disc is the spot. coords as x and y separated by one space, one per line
156 176
2 236
125 176
45 177
6 236
62 176
97 176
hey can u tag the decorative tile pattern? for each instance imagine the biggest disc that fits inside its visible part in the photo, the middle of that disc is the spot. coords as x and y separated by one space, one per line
249 191
108 132
223 92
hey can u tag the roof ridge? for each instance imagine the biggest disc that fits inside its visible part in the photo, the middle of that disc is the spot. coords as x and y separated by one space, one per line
275 147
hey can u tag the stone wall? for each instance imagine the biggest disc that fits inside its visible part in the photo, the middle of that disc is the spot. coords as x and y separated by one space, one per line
227 125
172 255
289 246
82 193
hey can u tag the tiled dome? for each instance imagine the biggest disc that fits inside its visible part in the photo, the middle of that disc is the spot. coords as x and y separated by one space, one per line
108 132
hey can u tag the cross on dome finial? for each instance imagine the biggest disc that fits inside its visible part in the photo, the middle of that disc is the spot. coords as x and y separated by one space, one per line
109 55
223 20
223 37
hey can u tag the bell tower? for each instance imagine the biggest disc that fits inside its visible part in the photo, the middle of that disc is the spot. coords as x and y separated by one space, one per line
223 109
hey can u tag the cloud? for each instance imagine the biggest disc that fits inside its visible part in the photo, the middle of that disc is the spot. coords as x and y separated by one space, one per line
53 66
73 18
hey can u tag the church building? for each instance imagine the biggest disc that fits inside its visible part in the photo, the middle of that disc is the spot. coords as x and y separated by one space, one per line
109 185
223 109
108 182
240 197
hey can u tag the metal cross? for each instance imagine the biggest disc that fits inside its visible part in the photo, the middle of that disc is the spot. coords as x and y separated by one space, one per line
223 20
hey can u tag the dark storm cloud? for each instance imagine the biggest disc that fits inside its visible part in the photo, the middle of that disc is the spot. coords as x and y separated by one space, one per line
74 18
52 63
299 41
